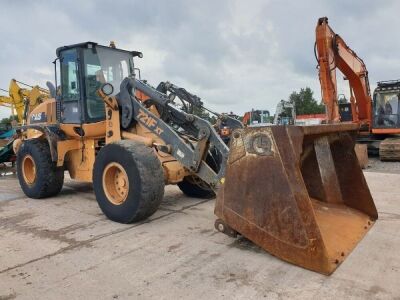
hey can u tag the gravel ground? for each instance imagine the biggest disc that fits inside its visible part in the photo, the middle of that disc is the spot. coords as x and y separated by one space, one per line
375 165
6 169
64 248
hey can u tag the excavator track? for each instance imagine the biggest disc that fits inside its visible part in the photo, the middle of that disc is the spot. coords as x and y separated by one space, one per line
389 149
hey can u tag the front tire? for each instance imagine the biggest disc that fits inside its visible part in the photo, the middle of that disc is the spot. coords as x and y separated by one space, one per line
128 181
193 186
38 175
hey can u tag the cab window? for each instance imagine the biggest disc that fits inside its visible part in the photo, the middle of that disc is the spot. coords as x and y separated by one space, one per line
103 65
70 89
94 78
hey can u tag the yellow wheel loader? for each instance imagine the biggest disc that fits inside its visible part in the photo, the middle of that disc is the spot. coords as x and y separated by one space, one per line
298 192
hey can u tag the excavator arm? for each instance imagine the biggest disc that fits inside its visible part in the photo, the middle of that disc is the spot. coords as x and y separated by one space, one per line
5 101
333 53
18 96
23 100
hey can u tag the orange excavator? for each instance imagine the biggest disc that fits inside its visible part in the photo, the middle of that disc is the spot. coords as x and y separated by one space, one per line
378 116
256 117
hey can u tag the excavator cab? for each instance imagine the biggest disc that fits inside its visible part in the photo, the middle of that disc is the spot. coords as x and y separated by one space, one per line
386 110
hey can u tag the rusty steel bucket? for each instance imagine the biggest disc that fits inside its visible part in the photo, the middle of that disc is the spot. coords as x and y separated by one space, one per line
298 192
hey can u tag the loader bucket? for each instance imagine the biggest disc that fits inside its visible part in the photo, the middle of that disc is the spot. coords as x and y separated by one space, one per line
298 192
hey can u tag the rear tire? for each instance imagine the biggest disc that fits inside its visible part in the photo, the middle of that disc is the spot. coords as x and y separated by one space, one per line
38 175
194 187
128 181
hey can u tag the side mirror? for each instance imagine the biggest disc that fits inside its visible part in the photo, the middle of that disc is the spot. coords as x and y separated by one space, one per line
137 53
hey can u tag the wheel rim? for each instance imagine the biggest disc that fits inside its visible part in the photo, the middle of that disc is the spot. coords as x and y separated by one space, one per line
29 170
115 183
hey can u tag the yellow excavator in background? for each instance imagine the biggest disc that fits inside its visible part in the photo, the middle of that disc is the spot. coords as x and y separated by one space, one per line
22 100
7 102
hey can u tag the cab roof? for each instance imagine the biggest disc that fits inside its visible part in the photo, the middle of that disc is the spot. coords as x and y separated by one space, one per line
93 44
388 85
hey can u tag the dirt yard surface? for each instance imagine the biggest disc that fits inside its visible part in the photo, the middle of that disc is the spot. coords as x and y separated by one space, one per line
375 165
64 248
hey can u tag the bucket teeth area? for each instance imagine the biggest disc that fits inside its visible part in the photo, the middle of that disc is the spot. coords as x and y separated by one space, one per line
298 192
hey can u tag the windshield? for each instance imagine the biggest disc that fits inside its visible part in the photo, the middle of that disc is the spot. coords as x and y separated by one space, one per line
104 65
387 109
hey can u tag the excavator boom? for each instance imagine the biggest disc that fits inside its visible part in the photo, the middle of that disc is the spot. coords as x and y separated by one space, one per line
23 100
333 53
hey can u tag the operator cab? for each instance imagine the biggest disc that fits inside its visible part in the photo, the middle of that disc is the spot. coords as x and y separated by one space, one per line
258 118
84 68
386 109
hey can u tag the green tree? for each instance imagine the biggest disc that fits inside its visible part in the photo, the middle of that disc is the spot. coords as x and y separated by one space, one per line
8 120
202 113
270 119
305 102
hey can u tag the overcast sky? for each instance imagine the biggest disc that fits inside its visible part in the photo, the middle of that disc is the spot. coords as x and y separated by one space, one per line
235 55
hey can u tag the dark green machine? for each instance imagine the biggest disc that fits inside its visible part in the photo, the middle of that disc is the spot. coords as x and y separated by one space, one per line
7 152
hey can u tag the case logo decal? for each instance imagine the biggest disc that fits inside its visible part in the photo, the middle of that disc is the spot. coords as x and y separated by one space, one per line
38 118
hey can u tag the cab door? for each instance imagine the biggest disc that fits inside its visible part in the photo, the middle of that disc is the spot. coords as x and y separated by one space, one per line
70 87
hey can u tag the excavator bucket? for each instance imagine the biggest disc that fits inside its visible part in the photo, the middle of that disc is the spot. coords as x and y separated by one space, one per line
298 192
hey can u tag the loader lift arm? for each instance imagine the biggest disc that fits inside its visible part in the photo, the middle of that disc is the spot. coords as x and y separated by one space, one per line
191 101
190 152
333 53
